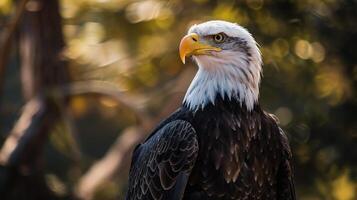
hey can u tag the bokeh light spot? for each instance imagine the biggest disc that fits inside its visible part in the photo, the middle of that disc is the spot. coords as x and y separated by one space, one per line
33 6
343 187
108 102
56 185
280 47
303 49
5 6
93 32
145 11
332 84
78 105
318 53
285 115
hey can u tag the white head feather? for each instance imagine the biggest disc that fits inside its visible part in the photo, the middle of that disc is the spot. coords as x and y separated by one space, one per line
226 73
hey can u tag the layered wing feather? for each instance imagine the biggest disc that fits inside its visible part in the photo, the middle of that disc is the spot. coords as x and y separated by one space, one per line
161 166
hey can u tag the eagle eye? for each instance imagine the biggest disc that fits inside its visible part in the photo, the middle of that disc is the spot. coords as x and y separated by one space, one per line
219 38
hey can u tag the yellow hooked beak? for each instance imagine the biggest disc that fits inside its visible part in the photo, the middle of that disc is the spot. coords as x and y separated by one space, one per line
190 45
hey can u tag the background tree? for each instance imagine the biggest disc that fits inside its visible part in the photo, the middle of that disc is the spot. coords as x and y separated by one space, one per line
40 42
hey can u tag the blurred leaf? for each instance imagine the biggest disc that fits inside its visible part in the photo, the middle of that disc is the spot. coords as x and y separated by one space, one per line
5 7
56 185
343 187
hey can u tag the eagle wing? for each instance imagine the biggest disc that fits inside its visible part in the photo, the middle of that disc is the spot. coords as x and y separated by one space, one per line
161 166
285 179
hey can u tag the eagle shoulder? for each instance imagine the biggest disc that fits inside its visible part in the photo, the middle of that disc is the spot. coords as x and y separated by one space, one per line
285 175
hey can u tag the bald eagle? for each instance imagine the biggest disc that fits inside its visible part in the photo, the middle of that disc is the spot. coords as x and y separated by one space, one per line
220 144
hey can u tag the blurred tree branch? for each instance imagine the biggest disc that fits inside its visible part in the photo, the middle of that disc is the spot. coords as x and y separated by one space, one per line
41 46
103 88
17 148
22 150
6 40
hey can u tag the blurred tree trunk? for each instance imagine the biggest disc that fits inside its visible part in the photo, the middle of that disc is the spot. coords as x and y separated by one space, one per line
41 44
6 40
42 69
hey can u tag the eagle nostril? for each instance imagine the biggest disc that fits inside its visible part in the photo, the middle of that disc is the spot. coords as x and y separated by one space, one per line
194 39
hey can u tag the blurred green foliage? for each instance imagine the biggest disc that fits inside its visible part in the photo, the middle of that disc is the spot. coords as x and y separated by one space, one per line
309 49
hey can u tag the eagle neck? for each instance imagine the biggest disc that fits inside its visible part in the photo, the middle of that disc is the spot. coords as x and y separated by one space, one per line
224 82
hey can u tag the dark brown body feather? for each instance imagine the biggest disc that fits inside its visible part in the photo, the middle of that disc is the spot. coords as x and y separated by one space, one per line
220 152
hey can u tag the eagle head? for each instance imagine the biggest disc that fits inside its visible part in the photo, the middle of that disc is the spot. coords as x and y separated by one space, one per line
229 64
